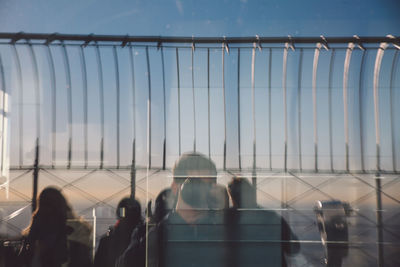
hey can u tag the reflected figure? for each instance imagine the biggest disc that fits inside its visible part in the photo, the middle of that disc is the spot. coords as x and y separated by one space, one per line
178 212
113 244
163 205
193 234
218 198
242 193
259 235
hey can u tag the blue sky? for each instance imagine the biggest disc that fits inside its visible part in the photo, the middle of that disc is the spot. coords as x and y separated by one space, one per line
203 18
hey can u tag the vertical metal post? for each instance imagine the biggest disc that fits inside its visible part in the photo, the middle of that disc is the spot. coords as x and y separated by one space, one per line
37 91
314 91
35 176
345 102
133 165
101 98
300 74
36 161
379 222
165 109
194 104
209 109
253 102
223 95
284 73
392 79
53 104
85 104
179 99
20 106
269 106
149 105
360 111
69 103
378 61
330 78
238 104
117 104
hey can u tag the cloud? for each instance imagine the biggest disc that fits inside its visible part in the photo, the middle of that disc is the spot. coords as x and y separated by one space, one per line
124 14
179 6
116 17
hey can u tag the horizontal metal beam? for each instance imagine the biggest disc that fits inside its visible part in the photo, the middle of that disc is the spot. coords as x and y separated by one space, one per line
125 39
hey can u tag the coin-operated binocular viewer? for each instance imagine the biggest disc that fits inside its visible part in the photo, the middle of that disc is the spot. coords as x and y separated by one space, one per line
332 224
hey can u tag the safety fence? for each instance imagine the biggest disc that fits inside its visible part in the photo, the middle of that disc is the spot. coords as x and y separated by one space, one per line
305 119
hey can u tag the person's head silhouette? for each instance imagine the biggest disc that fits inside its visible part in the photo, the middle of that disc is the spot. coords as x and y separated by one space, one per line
242 193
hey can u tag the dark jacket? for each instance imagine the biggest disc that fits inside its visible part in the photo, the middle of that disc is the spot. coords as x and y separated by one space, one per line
47 240
114 243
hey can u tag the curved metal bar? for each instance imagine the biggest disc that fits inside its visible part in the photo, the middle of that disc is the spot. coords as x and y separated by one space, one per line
4 130
378 61
179 100
165 109
101 98
85 104
223 95
392 79
208 103
37 90
20 106
118 103
345 101
360 109
284 74
314 92
331 66
269 106
133 165
300 73
238 103
194 105
3 114
149 105
53 104
69 102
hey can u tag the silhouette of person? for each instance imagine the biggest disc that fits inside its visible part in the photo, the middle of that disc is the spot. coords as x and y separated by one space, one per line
46 236
248 221
180 211
117 239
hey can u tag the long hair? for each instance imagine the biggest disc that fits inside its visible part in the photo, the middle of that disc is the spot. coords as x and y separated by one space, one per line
51 209
47 232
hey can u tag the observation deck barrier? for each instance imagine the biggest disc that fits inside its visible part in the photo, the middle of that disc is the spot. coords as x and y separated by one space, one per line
304 118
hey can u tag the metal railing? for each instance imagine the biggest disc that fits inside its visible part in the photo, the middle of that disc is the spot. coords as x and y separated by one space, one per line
271 46
257 106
